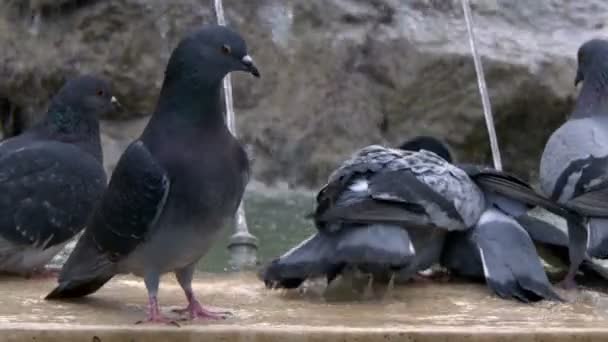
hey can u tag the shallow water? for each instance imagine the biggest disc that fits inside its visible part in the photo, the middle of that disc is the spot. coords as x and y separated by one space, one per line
123 301
277 220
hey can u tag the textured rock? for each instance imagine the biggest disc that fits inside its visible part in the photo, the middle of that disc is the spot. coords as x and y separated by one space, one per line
336 74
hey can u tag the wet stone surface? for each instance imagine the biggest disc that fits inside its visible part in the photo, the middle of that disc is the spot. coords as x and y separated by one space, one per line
416 305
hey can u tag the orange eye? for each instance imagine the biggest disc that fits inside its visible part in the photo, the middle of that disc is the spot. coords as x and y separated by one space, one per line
226 49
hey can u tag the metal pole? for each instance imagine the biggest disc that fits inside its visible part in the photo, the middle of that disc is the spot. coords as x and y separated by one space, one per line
483 90
243 245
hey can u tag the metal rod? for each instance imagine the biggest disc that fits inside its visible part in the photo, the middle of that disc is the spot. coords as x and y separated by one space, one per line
483 90
243 245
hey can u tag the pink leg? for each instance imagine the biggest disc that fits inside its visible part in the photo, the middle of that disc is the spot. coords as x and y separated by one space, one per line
154 314
568 283
196 310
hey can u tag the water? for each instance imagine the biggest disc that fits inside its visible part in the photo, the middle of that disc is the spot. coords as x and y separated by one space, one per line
418 305
277 220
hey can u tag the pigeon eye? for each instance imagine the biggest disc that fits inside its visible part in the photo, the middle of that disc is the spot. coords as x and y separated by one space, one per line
100 92
226 49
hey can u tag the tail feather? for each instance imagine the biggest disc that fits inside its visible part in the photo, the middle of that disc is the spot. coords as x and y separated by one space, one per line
597 246
373 248
512 290
311 258
78 288
542 231
509 186
512 267
85 272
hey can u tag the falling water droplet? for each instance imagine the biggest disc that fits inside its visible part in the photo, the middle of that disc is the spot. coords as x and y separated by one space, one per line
35 22
279 16
163 29
369 289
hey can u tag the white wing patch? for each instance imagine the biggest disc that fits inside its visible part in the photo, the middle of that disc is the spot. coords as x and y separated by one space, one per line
411 248
298 246
360 185
493 215
486 272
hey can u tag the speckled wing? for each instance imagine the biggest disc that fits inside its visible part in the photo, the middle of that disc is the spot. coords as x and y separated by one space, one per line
417 186
124 217
130 206
47 191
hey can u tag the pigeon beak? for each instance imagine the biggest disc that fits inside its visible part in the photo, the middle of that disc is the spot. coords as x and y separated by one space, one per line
579 77
116 105
249 66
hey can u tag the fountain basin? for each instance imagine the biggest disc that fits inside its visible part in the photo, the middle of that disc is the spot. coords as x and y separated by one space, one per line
416 312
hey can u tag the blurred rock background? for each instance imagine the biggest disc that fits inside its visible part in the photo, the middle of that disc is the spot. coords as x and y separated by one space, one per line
336 74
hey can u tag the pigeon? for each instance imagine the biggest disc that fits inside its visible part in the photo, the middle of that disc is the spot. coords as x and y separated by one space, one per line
383 211
497 249
51 177
574 163
175 187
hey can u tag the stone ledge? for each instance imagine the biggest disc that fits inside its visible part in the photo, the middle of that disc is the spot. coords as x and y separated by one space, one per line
417 312
105 333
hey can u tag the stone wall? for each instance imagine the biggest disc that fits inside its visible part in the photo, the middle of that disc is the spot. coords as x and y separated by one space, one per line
336 74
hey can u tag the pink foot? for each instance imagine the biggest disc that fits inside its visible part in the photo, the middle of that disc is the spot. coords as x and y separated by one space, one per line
196 311
155 316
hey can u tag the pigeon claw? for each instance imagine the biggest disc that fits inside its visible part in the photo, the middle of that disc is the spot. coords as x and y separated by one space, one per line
159 320
196 311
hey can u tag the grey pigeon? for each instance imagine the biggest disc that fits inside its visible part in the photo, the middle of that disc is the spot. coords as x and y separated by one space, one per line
175 187
51 177
574 164
497 249
383 211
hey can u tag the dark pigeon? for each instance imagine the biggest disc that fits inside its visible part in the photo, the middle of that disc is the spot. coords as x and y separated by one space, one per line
51 177
496 249
175 187
574 164
384 211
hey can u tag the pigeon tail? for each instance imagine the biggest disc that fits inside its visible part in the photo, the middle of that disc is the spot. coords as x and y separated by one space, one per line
511 264
597 246
85 272
377 248
78 288
371 248
543 232
311 258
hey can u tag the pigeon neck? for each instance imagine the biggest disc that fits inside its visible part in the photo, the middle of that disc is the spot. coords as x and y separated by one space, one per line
191 104
64 124
593 97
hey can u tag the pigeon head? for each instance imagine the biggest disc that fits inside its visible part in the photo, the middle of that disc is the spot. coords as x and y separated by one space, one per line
81 99
207 55
592 61
428 143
